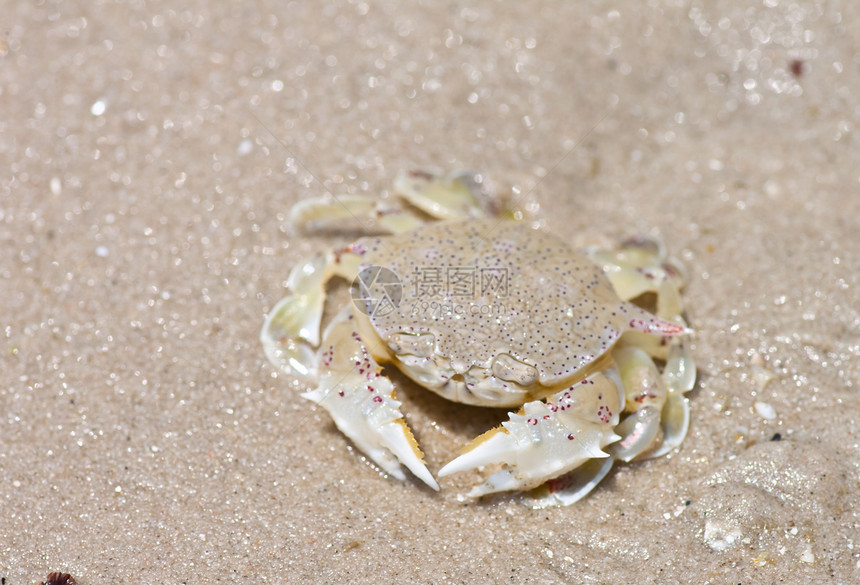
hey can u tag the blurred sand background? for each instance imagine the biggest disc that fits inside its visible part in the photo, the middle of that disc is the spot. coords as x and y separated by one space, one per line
152 151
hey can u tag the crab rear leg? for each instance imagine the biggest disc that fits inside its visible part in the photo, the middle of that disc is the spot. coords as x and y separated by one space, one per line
659 411
361 402
640 266
546 439
440 196
679 377
457 195
360 213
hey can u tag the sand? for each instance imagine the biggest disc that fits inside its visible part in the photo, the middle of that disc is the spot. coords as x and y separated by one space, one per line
151 157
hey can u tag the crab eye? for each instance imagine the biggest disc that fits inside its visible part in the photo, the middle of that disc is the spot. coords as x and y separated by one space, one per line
421 345
512 370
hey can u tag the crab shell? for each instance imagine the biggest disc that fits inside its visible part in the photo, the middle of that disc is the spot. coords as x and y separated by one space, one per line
493 313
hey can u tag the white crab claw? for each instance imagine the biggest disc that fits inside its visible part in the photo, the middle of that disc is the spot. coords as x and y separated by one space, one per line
361 403
546 439
376 427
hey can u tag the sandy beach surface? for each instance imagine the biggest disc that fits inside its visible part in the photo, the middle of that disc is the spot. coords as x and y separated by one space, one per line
151 153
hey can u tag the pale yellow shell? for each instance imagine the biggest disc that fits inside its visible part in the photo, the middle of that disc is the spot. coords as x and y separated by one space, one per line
518 293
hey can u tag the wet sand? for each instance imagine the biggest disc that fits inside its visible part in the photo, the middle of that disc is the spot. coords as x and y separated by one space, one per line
152 156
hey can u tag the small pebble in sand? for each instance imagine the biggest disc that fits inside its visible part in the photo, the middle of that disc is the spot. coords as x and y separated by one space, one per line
245 147
761 376
765 410
721 534
98 108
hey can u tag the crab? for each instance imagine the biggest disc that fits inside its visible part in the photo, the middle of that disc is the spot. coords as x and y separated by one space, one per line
486 310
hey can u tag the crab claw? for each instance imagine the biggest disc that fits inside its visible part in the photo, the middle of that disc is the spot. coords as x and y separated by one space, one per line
293 325
545 439
361 402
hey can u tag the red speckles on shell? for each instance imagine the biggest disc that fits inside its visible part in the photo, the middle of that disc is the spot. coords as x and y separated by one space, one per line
327 356
603 413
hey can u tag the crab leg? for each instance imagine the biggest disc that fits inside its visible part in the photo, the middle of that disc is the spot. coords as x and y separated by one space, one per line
645 393
359 212
292 327
571 487
361 402
679 375
546 439
452 196
640 266
660 413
